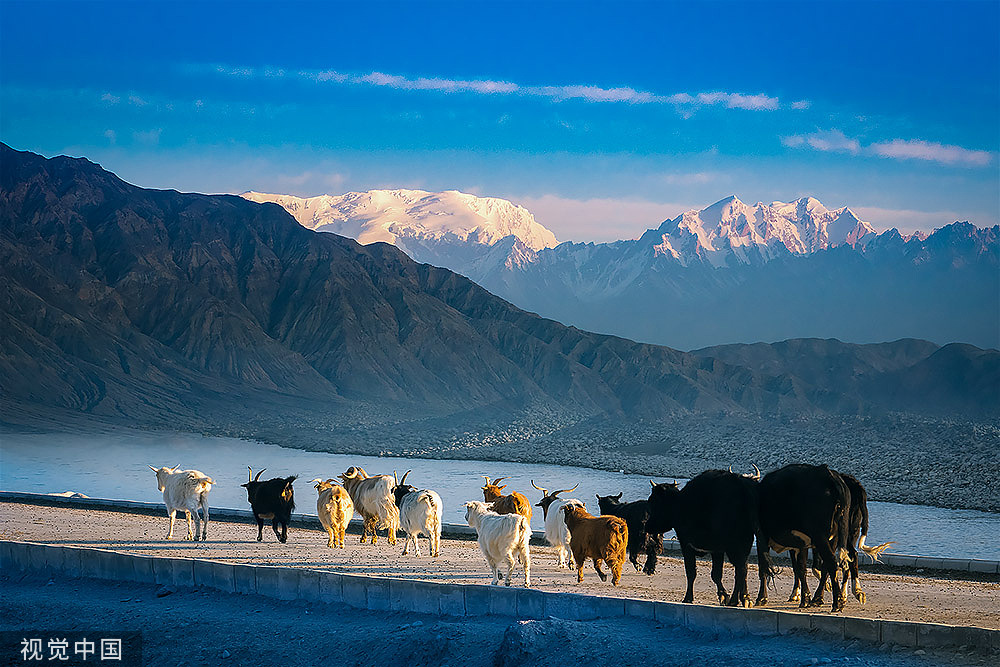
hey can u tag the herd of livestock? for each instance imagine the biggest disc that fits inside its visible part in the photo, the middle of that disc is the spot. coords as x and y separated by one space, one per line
795 508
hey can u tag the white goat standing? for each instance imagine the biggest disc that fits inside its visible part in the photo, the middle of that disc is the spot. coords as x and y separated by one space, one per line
187 491
373 500
335 509
420 511
501 537
556 532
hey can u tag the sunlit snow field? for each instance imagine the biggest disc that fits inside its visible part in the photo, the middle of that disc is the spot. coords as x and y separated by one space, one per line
115 466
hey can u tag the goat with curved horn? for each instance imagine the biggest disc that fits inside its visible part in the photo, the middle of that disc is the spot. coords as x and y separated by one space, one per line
544 491
556 493
259 473
403 481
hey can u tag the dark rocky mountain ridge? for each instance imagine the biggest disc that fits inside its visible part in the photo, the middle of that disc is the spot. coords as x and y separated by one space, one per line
157 306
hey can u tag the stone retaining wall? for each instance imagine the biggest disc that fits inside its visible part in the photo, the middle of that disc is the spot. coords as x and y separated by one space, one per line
387 594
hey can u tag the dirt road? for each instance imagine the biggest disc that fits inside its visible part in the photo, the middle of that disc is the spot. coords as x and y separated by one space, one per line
890 596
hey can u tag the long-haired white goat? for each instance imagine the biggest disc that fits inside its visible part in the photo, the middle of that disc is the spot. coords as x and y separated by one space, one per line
501 538
187 491
556 532
335 509
373 500
420 511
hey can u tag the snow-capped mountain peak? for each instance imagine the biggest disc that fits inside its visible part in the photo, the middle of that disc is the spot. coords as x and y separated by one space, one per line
730 227
404 217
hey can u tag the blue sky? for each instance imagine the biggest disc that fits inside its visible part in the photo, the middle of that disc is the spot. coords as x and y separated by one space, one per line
603 119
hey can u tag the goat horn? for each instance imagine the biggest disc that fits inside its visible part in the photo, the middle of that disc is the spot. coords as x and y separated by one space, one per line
176 466
652 483
756 471
259 474
544 491
403 481
487 479
395 480
730 468
499 479
152 468
250 474
555 493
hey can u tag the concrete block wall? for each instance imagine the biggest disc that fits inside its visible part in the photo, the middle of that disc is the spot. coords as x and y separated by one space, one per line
385 594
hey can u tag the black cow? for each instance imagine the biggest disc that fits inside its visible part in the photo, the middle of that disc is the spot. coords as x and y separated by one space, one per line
635 514
858 527
272 499
716 513
801 507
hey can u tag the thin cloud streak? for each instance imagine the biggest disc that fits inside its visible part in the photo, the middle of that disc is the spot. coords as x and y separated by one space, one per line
900 149
585 93
896 149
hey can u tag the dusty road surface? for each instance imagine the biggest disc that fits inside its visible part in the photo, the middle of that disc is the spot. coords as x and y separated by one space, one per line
195 627
972 601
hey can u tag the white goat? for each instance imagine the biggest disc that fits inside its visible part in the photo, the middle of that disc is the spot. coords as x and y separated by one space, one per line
187 491
419 512
556 532
373 500
501 537
335 509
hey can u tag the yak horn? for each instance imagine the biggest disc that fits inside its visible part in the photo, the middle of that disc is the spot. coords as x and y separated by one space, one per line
403 481
555 493
544 491
259 474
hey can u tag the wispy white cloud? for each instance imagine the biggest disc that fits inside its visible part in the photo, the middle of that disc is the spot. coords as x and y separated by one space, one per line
901 149
685 102
758 102
897 149
824 140
110 99
801 104
111 136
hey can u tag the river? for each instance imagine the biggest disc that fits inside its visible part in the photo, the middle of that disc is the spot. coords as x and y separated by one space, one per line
115 466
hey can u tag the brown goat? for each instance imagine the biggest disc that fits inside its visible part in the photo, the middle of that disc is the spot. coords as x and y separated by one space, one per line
515 503
597 537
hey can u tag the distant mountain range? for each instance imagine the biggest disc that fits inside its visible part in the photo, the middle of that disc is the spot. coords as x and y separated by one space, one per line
155 305
727 273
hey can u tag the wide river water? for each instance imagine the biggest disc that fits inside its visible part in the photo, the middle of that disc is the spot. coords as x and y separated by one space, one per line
115 466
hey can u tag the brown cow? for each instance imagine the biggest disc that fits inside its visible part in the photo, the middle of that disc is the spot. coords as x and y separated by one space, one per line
597 537
515 503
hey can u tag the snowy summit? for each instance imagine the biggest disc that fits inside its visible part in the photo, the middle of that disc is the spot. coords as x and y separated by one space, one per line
399 216
731 227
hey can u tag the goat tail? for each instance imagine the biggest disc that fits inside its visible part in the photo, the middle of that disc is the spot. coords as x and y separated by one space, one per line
873 552
388 515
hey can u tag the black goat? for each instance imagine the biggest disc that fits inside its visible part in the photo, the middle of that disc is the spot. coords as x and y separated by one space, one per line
272 499
635 514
